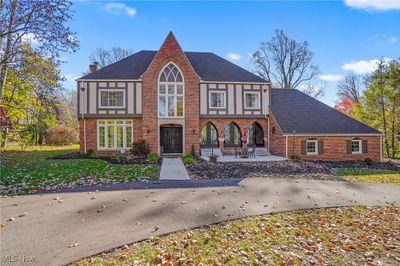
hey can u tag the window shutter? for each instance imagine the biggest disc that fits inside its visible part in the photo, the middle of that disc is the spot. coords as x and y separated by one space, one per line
303 147
320 147
349 147
364 146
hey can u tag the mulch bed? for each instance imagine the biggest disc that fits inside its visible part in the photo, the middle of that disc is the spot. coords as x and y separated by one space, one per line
111 160
361 164
206 170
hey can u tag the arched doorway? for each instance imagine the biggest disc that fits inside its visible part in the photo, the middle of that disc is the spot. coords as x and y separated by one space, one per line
209 136
233 136
171 138
255 135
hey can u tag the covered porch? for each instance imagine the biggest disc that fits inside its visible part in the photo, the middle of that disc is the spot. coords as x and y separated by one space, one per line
261 154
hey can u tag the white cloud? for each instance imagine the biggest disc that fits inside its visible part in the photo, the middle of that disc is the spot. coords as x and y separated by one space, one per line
30 37
116 8
392 39
381 5
363 66
331 77
234 57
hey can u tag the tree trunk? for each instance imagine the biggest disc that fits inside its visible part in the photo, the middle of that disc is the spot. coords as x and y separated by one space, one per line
6 57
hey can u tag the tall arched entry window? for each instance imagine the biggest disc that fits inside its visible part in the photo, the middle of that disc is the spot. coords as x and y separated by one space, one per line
255 136
233 137
170 92
209 136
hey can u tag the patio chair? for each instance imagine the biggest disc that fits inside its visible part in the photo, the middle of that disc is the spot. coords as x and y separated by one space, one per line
252 152
237 152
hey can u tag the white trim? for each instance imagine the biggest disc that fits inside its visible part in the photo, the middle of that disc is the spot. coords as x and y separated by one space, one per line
331 135
245 102
287 147
113 125
234 82
109 80
359 146
209 99
316 147
111 90
166 83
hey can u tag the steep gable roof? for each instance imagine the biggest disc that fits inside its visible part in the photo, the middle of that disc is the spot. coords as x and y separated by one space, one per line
296 111
209 66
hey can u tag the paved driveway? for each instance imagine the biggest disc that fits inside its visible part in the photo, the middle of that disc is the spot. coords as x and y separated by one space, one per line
115 218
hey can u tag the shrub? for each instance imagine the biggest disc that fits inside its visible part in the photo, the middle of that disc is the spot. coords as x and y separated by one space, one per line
121 156
153 157
192 151
296 158
188 159
61 135
140 149
89 153
368 160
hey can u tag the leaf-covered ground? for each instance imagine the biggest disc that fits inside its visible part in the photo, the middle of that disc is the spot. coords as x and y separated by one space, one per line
336 236
27 171
369 175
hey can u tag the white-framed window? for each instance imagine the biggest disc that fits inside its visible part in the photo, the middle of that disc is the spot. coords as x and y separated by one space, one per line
312 147
356 146
252 100
111 98
114 134
171 92
217 99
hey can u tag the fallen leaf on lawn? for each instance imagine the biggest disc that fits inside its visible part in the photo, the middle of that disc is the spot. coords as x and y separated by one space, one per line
93 197
11 219
73 245
23 214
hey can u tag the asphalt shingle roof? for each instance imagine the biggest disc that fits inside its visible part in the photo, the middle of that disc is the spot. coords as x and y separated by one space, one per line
294 110
209 66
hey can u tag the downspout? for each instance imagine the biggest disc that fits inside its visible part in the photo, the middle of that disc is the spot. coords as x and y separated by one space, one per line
287 147
380 148
83 117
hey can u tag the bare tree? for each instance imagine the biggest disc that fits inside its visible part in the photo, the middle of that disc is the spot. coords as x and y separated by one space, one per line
285 61
107 57
351 87
42 22
316 91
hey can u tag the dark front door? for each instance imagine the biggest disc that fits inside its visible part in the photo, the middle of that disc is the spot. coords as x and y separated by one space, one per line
171 139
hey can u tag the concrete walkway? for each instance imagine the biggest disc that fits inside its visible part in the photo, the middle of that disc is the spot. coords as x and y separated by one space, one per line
102 220
173 169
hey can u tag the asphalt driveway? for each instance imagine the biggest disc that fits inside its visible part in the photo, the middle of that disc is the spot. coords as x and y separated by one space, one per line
58 228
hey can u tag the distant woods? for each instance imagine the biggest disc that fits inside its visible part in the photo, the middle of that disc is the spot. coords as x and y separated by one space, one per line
106 57
375 100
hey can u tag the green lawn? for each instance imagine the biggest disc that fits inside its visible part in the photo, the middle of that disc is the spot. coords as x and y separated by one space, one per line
334 236
24 171
369 175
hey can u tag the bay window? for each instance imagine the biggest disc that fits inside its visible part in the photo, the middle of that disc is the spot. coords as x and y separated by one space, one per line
114 134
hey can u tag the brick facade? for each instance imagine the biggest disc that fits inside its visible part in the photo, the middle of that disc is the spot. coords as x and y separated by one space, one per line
170 51
147 127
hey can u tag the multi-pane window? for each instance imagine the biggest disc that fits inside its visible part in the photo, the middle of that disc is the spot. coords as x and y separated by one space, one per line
209 136
112 98
252 100
356 146
311 147
217 99
233 137
170 92
114 134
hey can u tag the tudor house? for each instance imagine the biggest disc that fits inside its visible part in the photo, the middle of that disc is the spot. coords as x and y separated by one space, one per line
178 100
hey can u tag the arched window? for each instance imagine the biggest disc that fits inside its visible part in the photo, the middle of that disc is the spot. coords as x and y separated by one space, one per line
209 136
170 92
255 136
233 137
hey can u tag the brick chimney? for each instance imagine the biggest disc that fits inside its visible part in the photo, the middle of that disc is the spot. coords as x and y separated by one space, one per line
93 67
